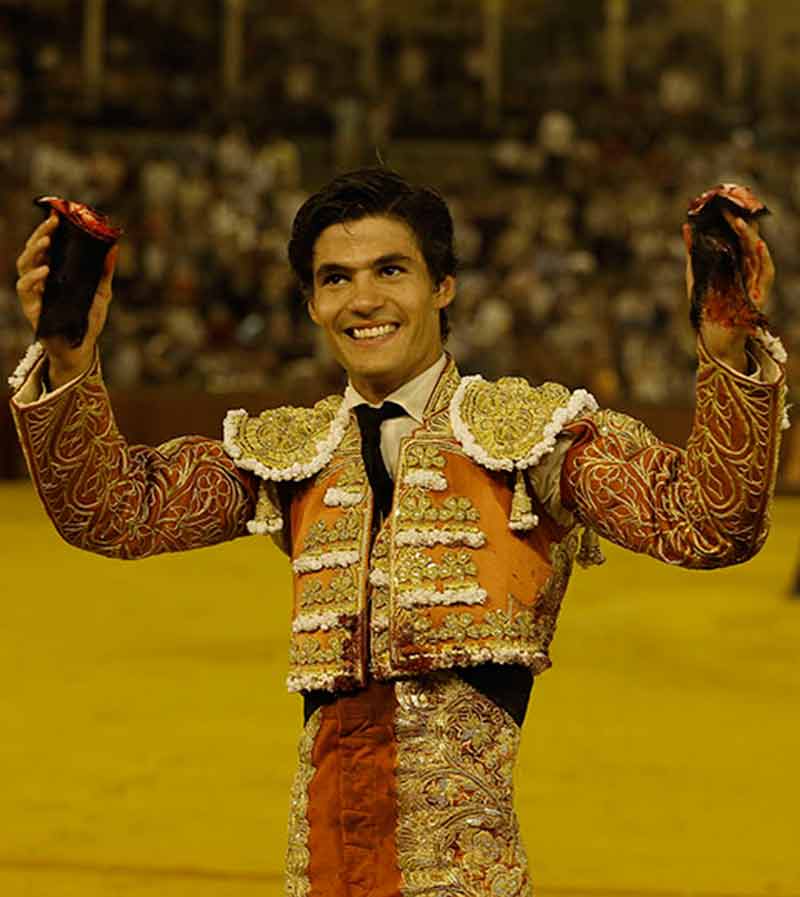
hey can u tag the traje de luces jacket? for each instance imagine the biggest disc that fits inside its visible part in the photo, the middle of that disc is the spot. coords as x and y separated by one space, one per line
471 564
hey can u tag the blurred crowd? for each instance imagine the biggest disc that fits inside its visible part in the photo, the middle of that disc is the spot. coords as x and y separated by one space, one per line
568 211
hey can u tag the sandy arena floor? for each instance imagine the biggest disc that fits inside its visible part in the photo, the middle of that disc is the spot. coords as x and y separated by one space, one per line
147 742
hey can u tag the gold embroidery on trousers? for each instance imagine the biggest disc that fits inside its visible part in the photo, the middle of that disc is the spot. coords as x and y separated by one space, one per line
457 832
297 854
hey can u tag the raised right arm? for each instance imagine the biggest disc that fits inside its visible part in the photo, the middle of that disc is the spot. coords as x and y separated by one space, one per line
102 494
120 500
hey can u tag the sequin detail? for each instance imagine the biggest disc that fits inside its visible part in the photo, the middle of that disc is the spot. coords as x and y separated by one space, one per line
457 831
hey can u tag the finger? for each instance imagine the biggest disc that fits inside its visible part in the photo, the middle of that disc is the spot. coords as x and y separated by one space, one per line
767 265
766 258
34 254
44 229
746 231
752 278
33 281
104 286
759 273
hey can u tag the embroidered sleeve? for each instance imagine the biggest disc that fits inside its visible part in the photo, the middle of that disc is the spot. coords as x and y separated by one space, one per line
121 500
706 506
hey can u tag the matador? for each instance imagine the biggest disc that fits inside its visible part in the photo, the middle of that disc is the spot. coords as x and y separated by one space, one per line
431 520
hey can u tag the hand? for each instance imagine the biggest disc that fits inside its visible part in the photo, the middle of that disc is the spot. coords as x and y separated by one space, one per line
725 342
66 362
759 272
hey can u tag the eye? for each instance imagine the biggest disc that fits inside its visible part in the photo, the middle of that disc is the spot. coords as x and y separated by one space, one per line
392 270
333 279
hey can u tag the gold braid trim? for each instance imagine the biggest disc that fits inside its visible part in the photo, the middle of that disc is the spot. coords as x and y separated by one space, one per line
123 500
705 507
298 855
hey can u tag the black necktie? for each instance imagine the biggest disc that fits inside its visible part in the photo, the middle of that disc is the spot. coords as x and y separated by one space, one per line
369 422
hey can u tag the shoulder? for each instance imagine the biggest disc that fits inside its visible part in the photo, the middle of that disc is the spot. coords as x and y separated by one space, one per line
509 424
627 433
286 443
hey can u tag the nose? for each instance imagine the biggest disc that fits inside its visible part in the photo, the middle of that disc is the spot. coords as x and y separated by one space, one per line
365 296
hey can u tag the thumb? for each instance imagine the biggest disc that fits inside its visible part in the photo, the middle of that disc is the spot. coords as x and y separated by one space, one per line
104 286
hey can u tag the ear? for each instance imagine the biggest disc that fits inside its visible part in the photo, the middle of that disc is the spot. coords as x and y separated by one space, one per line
444 294
312 308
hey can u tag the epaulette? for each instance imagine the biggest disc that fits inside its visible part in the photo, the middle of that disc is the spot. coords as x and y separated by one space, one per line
509 424
286 443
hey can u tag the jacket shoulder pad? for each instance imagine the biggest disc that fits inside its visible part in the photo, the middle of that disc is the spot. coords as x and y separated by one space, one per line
286 443
509 424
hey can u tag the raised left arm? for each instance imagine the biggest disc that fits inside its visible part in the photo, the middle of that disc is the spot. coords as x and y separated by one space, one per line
706 506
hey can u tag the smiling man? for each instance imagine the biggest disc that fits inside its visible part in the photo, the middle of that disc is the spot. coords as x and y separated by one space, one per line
377 302
431 520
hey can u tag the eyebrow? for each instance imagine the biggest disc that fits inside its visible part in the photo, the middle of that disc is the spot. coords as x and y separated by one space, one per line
392 258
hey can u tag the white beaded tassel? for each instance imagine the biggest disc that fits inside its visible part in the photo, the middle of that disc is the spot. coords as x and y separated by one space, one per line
522 517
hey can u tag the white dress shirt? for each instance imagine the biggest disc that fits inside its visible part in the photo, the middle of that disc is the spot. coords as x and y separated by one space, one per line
413 397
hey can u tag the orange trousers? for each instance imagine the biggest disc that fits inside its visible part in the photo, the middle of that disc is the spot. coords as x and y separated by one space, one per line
352 801
407 788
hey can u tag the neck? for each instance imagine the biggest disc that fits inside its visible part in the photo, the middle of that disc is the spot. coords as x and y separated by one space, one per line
376 389
373 391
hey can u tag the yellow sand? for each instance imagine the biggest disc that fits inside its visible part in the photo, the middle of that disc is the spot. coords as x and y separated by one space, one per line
147 742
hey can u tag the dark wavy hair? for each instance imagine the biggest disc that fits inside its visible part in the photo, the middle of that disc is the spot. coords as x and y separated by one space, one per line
369 192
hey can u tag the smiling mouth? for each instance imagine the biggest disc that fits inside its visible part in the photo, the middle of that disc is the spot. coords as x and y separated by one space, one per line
375 331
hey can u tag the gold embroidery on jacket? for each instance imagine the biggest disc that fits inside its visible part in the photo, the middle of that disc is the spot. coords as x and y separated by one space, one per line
497 627
379 606
298 856
318 648
457 832
546 608
346 528
350 488
424 464
339 594
327 649
702 507
425 456
414 566
507 418
127 501
416 506
352 475
285 438
437 412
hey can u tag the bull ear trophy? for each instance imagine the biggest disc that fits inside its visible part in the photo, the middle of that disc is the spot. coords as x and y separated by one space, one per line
720 284
78 249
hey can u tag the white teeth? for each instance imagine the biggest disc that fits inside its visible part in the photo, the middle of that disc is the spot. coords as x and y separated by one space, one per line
372 332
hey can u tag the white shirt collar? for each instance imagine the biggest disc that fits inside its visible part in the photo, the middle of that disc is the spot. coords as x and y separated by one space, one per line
413 395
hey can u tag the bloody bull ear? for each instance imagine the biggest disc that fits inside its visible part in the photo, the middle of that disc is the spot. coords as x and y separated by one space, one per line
720 287
78 249
739 200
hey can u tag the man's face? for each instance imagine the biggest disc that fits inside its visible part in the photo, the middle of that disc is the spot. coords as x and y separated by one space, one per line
374 297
